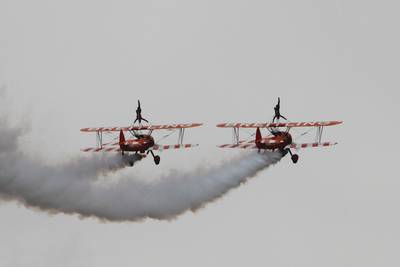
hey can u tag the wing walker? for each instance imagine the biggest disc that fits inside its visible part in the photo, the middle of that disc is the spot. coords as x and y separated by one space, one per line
140 143
278 138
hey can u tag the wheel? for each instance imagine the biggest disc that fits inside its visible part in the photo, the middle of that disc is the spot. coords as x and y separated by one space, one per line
157 160
295 158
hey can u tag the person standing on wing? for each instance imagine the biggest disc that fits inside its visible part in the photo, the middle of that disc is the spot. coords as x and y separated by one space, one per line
277 111
139 115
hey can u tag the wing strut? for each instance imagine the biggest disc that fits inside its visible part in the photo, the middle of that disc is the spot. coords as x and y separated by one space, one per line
181 135
99 139
318 137
235 139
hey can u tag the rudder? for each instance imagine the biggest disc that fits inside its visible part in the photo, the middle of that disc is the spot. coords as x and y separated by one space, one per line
121 139
258 136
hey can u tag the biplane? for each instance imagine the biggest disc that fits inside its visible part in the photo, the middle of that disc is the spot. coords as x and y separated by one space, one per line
278 137
141 141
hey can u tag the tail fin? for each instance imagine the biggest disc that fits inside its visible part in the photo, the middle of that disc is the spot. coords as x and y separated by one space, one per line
121 139
258 136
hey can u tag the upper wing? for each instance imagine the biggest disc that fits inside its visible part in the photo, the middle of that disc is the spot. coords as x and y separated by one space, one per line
173 126
280 124
143 127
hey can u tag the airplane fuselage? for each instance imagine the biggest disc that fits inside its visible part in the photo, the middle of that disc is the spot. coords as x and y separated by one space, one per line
141 144
279 140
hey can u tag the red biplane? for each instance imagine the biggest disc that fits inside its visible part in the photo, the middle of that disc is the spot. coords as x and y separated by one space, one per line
277 139
140 143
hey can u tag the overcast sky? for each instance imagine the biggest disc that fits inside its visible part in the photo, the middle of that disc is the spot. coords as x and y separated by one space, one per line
73 64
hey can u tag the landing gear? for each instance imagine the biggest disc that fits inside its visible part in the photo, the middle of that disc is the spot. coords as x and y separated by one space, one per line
156 158
284 151
294 157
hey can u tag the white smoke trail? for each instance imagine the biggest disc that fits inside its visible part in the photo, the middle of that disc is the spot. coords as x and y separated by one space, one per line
75 188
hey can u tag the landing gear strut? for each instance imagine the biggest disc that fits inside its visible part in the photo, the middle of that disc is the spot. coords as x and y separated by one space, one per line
155 157
294 157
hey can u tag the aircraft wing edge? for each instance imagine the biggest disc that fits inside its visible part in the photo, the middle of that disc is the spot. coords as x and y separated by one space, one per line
144 127
176 146
280 124
240 145
310 145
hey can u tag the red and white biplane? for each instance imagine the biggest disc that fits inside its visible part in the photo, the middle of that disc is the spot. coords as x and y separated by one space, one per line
277 139
140 143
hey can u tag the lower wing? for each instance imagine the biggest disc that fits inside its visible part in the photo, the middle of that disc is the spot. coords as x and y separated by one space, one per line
307 145
163 147
102 149
155 147
240 145
252 145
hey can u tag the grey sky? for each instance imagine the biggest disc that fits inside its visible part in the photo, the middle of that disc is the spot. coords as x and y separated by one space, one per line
73 64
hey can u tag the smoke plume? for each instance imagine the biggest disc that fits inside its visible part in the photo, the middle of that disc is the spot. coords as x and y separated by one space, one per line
77 187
